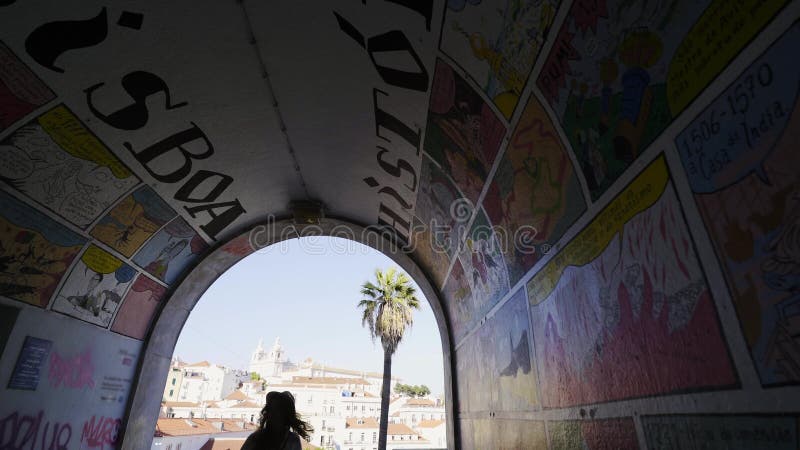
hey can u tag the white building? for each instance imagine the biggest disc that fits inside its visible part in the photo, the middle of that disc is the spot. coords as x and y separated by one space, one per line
206 382
272 364
434 431
412 411
342 405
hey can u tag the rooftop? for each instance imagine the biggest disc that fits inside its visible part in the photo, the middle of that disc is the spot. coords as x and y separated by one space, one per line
429 423
237 395
366 422
186 427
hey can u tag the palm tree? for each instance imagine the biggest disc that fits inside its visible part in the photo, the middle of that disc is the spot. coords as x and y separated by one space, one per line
387 306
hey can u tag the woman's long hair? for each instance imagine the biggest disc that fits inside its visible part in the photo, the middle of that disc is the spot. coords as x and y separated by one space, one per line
279 413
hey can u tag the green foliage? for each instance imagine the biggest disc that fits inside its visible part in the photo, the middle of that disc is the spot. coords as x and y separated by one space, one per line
412 391
255 376
387 307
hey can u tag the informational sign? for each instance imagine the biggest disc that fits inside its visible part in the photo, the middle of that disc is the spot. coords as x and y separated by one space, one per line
29 365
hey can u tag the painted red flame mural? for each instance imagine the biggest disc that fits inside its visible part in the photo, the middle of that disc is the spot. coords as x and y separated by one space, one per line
636 321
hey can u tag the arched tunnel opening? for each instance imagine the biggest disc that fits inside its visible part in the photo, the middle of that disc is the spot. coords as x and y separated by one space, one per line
286 318
605 190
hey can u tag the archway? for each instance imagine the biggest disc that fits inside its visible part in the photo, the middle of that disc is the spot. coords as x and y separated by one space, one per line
146 399
634 161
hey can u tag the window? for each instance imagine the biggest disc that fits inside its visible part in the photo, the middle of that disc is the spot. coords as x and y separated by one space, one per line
173 381
362 437
374 437
350 437
363 408
171 392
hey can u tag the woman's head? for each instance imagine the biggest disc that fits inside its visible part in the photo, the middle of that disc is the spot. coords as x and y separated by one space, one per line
279 413
279 408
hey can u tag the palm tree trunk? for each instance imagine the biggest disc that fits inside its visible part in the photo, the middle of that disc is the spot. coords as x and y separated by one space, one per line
385 391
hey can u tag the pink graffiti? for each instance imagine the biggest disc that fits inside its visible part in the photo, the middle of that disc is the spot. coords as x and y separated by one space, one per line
100 431
23 431
75 372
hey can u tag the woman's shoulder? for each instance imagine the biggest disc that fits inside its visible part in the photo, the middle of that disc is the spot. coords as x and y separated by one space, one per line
293 442
254 441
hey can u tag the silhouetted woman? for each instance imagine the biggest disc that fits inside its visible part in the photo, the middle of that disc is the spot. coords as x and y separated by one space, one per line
279 427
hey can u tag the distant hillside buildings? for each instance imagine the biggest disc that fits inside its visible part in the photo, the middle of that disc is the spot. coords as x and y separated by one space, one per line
342 405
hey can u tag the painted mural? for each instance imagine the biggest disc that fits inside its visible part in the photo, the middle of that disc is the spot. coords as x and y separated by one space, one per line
463 134
482 260
59 163
535 195
718 432
507 350
458 302
35 252
500 350
441 218
170 251
624 310
138 308
602 434
132 221
70 384
740 155
620 71
95 287
505 434
497 42
21 91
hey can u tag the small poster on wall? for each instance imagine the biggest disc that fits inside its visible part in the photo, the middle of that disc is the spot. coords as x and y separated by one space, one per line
27 370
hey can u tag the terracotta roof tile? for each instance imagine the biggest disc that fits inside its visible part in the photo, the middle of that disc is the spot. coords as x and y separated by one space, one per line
429 423
399 428
184 427
366 422
236 395
200 364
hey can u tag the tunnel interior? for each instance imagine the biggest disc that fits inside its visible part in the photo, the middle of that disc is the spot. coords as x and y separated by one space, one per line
600 199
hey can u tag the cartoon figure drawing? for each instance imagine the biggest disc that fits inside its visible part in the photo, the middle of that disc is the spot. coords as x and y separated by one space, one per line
94 289
96 299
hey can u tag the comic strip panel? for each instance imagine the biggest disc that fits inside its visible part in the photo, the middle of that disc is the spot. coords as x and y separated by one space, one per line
618 434
721 432
628 296
138 308
59 163
481 256
535 195
21 91
95 287
463 134
133 220
35 252
741 158
497 42
619 72
441 218
170 251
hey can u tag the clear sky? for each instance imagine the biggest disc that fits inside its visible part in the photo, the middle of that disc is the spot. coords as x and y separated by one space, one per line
305 291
